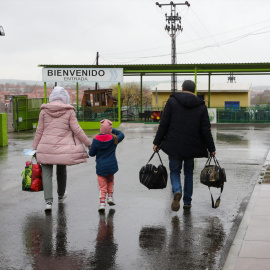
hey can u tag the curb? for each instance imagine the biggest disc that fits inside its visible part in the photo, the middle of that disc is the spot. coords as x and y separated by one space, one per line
236 246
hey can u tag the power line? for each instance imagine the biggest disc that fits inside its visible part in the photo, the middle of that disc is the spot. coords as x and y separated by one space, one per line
191 40
36 82
121 62
151 49
201 22
196 46
225 42
200 39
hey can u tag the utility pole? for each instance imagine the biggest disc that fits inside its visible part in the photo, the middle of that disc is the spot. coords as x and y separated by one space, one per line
97 58
173 27
96 84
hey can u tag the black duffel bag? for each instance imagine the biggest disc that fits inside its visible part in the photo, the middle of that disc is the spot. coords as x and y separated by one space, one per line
213 176
154 177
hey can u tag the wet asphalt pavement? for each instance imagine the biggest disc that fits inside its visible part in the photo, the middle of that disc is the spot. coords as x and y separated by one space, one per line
140 231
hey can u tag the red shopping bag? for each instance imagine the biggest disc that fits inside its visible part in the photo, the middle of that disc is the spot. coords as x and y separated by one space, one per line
36 178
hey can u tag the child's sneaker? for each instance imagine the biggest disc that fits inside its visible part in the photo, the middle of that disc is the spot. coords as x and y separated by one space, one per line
48 207
110 200
102 207
62 198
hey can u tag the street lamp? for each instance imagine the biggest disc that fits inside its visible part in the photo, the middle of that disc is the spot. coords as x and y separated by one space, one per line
2 33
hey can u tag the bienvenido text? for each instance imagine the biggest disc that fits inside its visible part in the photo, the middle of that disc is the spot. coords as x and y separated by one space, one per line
75 73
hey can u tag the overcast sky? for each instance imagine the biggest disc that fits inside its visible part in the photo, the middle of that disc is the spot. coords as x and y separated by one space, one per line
130 31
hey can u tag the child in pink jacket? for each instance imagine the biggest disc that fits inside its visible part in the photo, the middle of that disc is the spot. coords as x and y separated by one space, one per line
103 147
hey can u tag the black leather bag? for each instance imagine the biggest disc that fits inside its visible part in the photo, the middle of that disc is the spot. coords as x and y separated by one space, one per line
213 176
154 177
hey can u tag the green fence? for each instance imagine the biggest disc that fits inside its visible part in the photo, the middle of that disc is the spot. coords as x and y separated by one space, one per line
96 114
3 129
252 114
256 114
26 113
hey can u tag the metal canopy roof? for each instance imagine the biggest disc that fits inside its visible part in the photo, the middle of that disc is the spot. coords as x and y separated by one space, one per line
179 69
203 87
163 69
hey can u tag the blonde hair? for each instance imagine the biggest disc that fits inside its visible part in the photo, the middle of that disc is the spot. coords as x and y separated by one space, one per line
115 139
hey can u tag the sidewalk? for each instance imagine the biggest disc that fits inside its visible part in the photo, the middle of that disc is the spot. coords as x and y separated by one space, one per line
251 247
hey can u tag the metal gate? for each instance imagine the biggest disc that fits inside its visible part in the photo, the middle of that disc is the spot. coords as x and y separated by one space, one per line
26 112
20 113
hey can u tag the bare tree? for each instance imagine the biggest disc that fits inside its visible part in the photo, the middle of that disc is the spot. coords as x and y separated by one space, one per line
131 94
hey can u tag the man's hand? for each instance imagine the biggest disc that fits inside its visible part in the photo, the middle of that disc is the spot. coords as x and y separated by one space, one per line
213 154
155 148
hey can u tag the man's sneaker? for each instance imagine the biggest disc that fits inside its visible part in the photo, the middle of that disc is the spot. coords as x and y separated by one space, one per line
176 201
110 201
101 207
62 198
187 206
48 207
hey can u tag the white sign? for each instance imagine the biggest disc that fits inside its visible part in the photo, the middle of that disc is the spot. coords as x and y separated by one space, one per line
212 115
82 74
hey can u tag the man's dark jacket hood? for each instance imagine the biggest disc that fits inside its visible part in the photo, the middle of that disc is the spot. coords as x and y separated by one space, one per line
188 100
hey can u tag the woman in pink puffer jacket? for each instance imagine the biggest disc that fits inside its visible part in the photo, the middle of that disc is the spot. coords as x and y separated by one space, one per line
59 141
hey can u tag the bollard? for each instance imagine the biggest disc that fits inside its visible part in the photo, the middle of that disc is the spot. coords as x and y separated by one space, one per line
3 129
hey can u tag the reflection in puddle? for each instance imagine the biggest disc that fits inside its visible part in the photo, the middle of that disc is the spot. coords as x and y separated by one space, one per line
49 252
105 248
189 245
152 238
46 251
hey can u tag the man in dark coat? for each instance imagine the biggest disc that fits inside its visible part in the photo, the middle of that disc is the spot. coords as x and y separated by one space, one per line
184 133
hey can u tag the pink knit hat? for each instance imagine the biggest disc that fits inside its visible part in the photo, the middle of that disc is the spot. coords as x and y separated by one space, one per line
106 126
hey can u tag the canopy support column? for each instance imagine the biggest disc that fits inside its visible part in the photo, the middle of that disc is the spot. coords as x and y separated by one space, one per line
119 103
77 96
45 93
